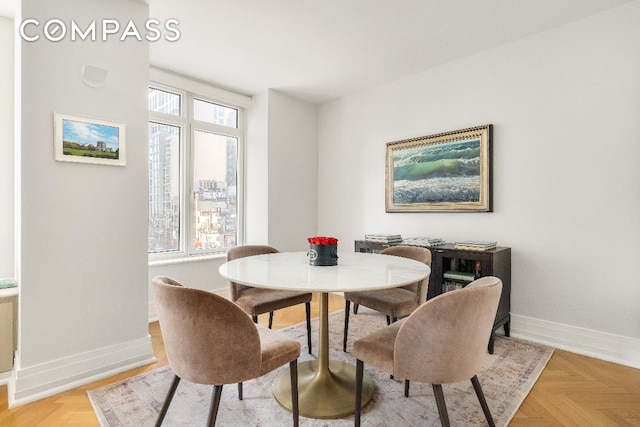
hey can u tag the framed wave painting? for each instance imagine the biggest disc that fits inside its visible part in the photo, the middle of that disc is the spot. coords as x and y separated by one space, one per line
447 172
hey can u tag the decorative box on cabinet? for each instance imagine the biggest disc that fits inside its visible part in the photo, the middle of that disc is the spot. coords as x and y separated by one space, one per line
494 262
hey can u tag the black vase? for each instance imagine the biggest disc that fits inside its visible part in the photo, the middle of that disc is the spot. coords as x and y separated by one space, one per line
323 254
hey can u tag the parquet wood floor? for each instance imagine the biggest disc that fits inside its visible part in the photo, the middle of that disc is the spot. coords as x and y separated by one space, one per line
573 390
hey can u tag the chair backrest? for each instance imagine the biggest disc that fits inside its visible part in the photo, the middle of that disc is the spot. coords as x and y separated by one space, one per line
208 339
445 339
235 289
419 254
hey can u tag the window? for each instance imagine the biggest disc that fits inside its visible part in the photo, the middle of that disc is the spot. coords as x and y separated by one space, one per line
195 148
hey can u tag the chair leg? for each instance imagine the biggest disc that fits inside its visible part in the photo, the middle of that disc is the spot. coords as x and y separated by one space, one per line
491 342
388 320
346 324
255 319
442 406
355 308
215 403
270 319
293 370
307 307
167 400
406 388
483 401
239 391
359 375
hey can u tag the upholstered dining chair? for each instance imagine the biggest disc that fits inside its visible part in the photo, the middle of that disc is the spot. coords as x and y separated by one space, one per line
394 302
256 301
443 341
210 340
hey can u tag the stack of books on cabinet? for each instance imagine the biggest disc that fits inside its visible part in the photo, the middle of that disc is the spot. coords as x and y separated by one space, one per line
475 245
383 238
425 242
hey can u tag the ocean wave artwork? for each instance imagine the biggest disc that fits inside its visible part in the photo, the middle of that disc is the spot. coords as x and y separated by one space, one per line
439 173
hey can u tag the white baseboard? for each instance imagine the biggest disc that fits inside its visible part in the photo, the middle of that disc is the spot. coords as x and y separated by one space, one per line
36 382
600 345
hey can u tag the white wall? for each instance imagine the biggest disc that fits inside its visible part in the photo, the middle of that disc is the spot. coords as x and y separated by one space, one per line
565 110
6 147
293 177
256 162
282 144
83 228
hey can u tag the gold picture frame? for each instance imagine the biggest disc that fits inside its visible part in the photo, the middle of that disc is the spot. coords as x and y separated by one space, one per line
446 172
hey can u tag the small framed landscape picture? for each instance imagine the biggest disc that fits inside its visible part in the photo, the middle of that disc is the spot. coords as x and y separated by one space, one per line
447 172
88 140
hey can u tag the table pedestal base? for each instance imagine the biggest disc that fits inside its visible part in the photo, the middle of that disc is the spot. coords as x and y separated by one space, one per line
323 393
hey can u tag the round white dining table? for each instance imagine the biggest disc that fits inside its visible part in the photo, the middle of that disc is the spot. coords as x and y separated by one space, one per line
326 388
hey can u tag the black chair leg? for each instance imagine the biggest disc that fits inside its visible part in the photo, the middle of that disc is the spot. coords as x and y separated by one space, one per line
255 319
307 307
167 400
483 401
442 406
346 324
355 308
406 388
293 370
359 375
215 403
239 391
270 319
388 320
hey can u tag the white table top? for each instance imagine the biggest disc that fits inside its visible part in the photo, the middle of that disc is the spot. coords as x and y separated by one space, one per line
355 272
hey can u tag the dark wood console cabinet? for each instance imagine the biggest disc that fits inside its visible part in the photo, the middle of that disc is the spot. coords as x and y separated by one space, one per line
451 267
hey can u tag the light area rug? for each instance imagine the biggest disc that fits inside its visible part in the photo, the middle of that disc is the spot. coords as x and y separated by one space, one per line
506 377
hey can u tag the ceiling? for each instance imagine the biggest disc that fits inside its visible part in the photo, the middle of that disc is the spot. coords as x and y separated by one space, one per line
320 50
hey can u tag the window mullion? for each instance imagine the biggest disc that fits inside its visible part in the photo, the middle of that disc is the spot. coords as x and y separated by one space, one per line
213 128
188 198
190 195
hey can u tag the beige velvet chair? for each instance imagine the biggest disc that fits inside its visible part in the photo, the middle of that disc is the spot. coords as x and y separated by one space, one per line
394 302
443 341
210 340
256 301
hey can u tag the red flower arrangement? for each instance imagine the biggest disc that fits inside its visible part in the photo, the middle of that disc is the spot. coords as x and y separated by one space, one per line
322 240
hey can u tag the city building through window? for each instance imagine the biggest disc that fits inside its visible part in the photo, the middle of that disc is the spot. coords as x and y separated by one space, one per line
195 146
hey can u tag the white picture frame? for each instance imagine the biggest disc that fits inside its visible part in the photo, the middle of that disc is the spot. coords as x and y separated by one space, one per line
89 140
